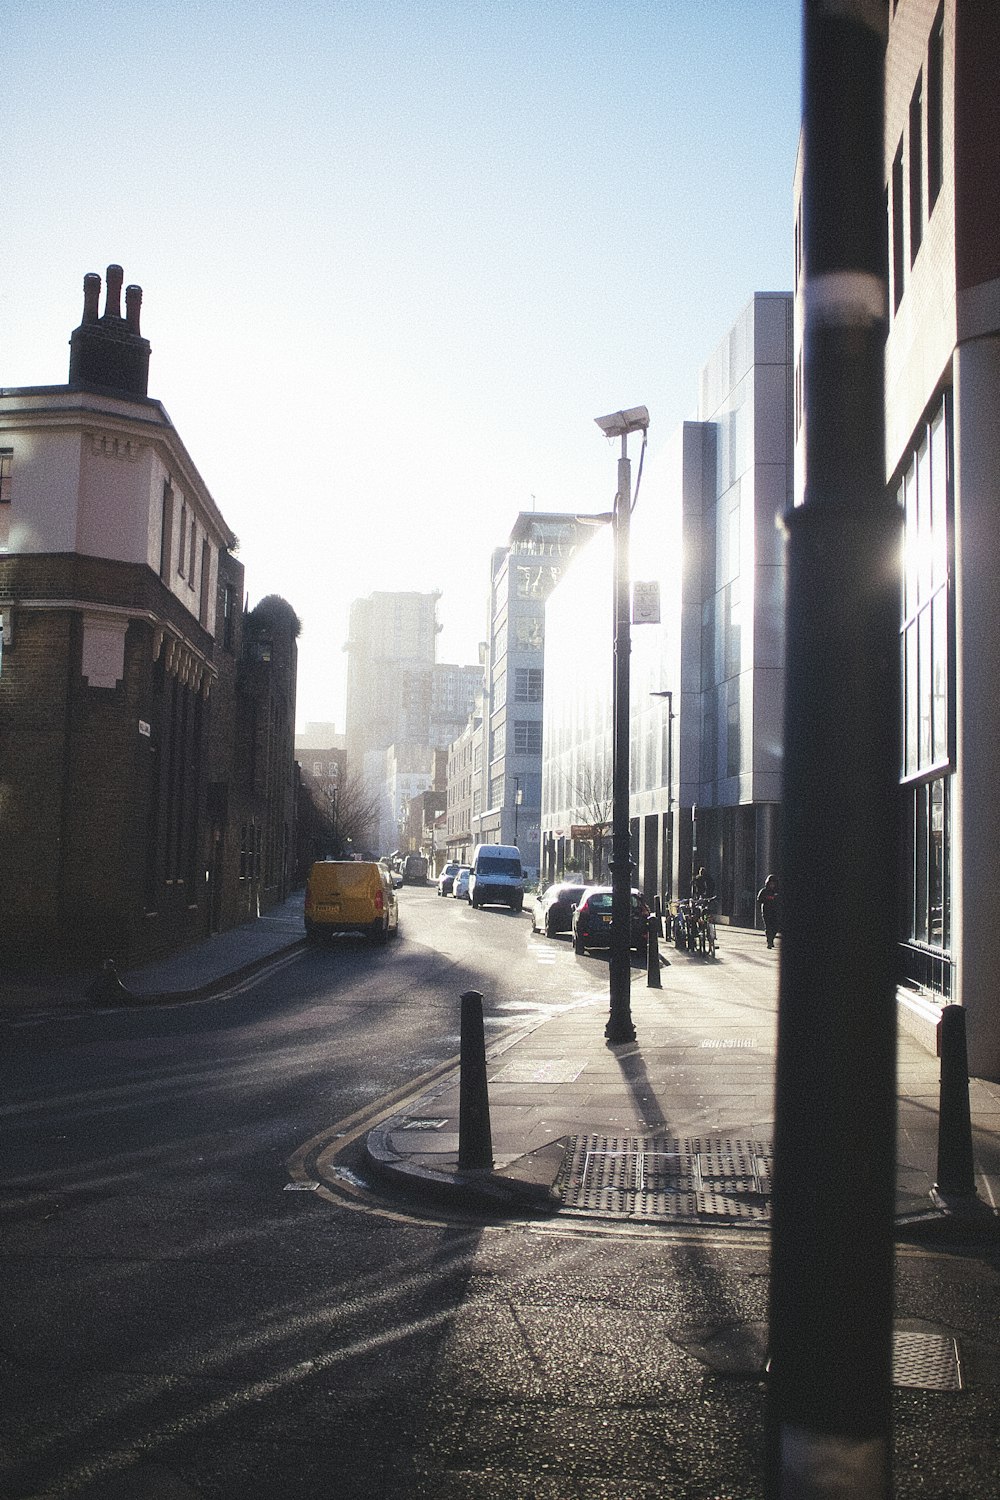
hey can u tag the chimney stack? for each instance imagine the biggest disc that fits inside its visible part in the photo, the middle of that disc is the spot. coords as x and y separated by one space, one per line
109 353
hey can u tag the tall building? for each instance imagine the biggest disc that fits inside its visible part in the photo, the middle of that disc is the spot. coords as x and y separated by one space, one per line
391 649
507 809
125 688
706 681
398 696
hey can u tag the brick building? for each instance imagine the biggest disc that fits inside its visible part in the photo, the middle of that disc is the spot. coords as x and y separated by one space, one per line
125 688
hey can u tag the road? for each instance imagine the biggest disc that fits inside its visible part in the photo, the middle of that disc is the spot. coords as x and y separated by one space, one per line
178 1323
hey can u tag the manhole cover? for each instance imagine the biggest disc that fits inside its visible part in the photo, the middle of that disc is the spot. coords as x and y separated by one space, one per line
926 1361
664 1178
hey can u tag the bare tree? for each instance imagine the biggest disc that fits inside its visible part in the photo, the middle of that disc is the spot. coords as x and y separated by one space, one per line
593 797
344 817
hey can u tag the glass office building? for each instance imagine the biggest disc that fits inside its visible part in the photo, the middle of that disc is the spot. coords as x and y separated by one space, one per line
707 681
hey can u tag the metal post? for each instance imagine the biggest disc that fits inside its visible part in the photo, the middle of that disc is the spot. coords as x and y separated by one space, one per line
620 1027
956 1176
829 1400
475 1139
653 980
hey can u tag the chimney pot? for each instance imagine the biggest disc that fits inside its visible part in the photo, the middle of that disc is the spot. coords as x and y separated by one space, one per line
133 302
113 301
91 296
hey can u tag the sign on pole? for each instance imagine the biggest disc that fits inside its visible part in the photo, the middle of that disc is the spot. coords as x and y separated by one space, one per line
646 603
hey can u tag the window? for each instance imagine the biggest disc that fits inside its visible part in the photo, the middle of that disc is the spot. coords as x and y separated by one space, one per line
206 574
500 691
182 549
530 633
527 737
499 741
228 616
6 468
897 227
926 624
916 168
935 110
166 530
528 685
496 791
191 557
733 739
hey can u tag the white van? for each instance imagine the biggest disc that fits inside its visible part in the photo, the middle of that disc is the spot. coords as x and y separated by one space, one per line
497 877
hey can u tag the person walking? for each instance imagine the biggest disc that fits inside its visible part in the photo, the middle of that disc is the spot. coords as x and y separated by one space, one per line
703 886
767 900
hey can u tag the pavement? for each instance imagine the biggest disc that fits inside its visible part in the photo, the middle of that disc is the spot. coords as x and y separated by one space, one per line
675 1127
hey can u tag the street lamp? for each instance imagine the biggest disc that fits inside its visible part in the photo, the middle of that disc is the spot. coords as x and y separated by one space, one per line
619 1027
518 799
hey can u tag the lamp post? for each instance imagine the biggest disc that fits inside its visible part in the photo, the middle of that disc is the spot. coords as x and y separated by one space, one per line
518 799
619 1027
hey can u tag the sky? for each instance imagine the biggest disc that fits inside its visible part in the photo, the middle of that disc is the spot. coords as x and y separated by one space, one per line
397 255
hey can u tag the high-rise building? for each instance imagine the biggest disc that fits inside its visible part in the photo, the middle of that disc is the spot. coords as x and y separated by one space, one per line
391 649
509 779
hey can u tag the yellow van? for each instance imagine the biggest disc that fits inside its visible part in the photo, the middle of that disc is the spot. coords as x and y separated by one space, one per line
350 895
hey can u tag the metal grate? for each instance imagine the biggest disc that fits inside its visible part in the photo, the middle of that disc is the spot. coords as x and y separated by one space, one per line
716 1179
926 1361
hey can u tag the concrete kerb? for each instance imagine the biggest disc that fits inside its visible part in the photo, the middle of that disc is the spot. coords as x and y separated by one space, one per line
108 989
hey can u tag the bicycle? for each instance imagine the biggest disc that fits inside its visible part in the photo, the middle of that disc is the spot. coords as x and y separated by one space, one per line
705 933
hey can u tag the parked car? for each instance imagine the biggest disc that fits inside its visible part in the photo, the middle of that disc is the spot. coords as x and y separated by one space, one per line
460 885
497 877
350 895
447 878
554 908
414 870
592 921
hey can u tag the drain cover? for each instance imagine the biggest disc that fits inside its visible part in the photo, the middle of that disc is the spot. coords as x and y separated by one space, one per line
926 1361
664 1178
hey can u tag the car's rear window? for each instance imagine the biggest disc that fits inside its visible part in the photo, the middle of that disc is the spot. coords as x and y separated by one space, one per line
600 903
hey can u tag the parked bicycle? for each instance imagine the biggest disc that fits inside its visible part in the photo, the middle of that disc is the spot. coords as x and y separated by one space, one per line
693 926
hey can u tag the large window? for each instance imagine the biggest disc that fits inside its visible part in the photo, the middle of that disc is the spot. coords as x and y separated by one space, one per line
926 732
528 685
530 633
926 625
527 737
6 473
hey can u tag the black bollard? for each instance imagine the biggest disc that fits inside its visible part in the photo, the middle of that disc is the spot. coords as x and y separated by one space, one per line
475 1142
955 1171
653 981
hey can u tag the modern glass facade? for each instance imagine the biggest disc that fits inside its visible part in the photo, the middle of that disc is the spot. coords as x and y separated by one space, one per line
706 682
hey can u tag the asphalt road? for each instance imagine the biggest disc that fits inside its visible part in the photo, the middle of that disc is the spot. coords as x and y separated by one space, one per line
178 1323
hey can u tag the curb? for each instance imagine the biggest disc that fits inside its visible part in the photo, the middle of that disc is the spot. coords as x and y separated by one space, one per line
107 988
475 1188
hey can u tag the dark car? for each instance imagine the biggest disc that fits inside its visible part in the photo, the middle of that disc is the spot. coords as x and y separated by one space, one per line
554 908
592 921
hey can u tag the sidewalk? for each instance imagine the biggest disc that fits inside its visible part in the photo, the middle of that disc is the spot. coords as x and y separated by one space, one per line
675 1127
201 969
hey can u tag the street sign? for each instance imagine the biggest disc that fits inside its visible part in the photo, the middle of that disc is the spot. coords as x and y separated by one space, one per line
646 603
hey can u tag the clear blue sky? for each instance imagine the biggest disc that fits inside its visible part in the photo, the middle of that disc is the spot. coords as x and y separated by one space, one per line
397 256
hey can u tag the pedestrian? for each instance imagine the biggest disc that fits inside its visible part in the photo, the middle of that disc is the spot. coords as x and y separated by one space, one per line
767 900
703 886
